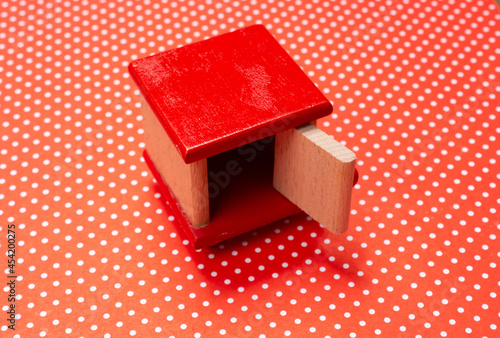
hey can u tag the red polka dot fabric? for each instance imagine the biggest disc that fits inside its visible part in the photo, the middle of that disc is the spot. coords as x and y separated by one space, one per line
415 89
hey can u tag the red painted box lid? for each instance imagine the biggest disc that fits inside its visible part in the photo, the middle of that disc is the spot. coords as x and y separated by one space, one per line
227 91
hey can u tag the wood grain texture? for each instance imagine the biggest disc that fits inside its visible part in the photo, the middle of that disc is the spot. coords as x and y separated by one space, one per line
188 182
316 173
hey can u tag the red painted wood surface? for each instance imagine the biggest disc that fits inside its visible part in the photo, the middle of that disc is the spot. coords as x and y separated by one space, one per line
218 94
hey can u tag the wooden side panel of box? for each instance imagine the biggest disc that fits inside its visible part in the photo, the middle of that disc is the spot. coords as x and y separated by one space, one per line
188 182
316 173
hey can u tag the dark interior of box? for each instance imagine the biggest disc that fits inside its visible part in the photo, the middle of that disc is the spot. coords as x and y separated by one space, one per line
241 185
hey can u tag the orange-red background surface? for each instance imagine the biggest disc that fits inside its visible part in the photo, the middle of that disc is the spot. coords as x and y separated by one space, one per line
415 88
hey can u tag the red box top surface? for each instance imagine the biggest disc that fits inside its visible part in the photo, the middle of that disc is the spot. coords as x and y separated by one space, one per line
218 94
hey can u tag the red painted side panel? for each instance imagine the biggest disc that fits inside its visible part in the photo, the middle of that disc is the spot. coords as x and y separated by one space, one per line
218 94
